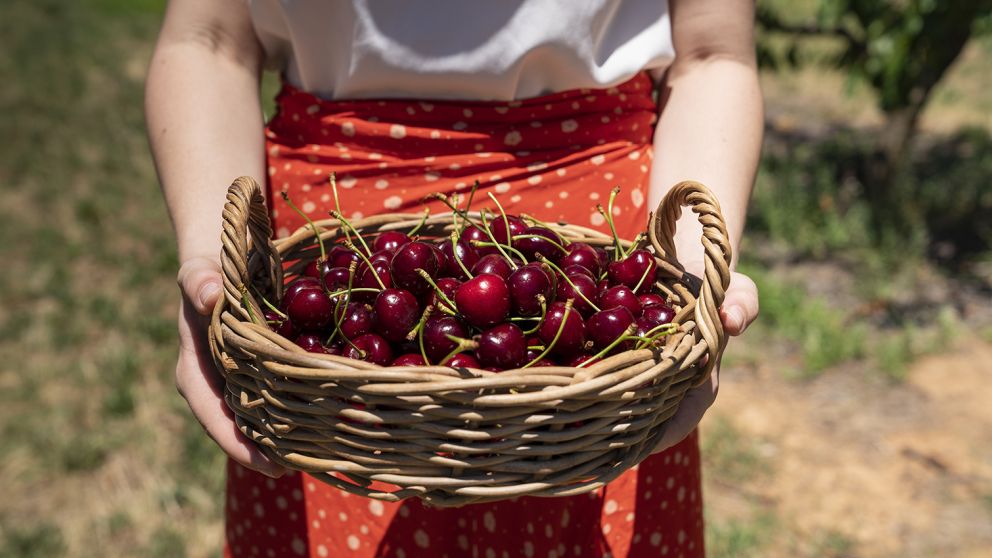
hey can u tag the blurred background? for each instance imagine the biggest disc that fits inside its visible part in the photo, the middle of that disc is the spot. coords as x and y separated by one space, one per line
854 418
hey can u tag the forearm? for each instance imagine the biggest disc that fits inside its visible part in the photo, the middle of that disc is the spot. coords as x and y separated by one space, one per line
205 128
710 130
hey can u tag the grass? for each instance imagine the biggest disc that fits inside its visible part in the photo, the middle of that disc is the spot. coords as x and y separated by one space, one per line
740 538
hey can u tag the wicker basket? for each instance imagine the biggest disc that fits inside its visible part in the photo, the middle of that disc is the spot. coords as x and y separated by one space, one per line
456 436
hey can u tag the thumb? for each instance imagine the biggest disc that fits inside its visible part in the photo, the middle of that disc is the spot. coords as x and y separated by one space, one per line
740 306
201 283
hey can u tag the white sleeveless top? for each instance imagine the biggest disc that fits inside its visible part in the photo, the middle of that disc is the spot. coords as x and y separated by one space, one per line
461 49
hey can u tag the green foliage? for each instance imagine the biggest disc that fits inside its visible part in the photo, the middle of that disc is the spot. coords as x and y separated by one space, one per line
730 454
740 538
40 541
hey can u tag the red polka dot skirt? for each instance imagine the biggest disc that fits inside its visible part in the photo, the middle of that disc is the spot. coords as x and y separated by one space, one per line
554 157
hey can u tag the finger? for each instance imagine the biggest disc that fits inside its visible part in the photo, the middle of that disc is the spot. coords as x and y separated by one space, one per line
201 283
740 306
691 409
202 387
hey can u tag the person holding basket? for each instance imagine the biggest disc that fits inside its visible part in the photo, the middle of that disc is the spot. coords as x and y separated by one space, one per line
547 103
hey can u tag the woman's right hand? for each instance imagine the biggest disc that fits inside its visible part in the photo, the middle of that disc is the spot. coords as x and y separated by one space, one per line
197 378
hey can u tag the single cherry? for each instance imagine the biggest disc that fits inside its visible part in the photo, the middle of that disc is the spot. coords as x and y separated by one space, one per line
574 269
658 314
310 309
390 241
448 286
580 253
356 320
483 300
394 313
578 359
629 271
543 242
498 227
381 256
407 260
605 326
409 359
503 346
336 279
620 295
492 263
311 343
300 284
279 324
436 329
466 253
472 234
462 360
527 284
339 256
583 284
573 335
651 298
374 348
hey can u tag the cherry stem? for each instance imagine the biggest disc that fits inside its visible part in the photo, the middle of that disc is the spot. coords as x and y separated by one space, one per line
427 277
471 196
502 212
608 215
316 231
499 247
542 237
348 244
544 312
339 314
450 205
518 253
427 213
244 302
634 244
620 339
463 345
420 323
643 277
345 223
543 259
269 304
458 259
654 334
561 328
337 202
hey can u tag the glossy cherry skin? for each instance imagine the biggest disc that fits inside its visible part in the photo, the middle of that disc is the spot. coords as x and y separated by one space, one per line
436 329
300 284
573 336
548 271
394 313
640 263
498 228
310 309
356 321
606 326
581 270
651 298
339 256
527 284
407 260
409 359
381 256
643 327
658 314
503 346
311 343
472 234
390 241
617 296
493 263
483 300
585 285
317 268
466 253
448 286
543 243
376 349
280 325
365 279
578 359
580 253
462 360
336 279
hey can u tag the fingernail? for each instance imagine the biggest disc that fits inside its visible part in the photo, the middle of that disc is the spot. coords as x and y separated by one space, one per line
736 318
207 294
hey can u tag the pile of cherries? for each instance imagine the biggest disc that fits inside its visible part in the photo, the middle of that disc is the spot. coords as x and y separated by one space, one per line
501 292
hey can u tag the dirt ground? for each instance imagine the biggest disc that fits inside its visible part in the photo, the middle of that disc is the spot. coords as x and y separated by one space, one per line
850 464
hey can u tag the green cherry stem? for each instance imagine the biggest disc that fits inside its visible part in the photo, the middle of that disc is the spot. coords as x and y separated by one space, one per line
608 215
349 245
634 244
499 247
337 202
427 213
269 304
561 328
543 259
544 313
620 339
654 334
347 224
458 259
517 253
502 212
542 237
244 302
643 277
427 277
316 231
412 334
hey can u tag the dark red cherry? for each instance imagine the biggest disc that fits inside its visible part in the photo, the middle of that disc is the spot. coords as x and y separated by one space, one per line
580 270
527 284
498 227
409 359
651 298
472 234
381 256
436 329
643 327
317 269
395 313
548 271
407 260
339 256
585 285
573 336
503 346
375 349
282 326
543 243
617 296
580 253
310 309
466 253
577 359
336 279
658 314
300 284
606 326
483 300
442 259
448 286
357 320
493 263
390 241
640 263
462 360
365 279
311 343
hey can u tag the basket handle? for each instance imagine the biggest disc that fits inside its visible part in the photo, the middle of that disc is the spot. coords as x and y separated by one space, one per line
717 257
247 219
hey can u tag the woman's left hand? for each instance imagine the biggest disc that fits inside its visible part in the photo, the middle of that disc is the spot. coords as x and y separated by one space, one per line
739 309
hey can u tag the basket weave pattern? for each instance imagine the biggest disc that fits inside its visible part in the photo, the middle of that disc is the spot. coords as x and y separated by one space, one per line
456 436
